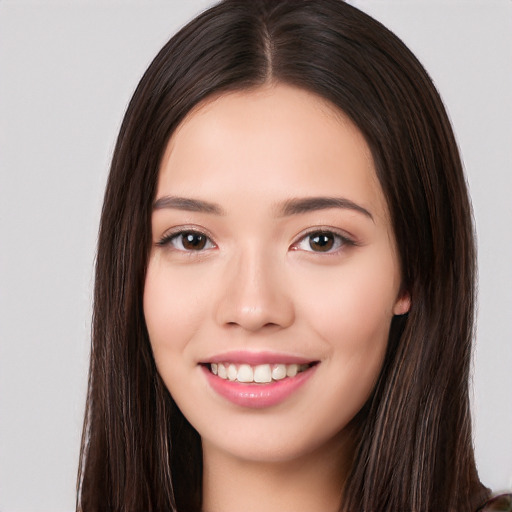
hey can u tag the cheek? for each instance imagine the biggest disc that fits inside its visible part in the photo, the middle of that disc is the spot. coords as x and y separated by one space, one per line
172 311
351 314
355 303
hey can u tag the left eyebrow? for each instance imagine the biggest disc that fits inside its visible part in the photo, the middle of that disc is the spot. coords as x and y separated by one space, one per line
187 204
297 206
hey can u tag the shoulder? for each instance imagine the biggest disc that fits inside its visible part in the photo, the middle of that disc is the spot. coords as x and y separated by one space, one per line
501 503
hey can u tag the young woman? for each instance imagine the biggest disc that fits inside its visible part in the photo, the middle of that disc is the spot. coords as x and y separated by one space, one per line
285 278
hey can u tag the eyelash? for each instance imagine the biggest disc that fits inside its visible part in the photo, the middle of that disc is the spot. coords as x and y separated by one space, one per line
339 241
174 236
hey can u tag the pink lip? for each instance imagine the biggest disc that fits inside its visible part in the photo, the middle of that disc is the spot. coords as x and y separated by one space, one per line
257 396
255 358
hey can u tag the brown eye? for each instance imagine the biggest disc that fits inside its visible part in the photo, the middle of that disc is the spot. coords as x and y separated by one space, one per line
193 241
187 241
321 242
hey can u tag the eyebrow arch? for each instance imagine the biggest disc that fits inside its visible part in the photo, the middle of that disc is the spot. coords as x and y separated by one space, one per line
297 206
187 204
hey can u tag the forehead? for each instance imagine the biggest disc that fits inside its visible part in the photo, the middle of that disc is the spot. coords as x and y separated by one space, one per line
272 140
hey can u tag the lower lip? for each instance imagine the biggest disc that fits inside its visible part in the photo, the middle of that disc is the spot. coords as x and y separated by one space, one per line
257 396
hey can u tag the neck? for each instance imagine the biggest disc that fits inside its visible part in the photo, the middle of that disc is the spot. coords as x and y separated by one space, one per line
310 483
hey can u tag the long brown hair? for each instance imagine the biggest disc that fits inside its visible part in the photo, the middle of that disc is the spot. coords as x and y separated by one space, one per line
414 451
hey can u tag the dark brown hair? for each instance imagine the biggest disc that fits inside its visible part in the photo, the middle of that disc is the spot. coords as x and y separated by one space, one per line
414 450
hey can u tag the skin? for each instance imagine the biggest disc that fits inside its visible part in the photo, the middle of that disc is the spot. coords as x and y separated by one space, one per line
258 284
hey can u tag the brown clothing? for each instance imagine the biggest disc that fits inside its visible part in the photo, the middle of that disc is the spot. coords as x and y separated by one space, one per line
501 503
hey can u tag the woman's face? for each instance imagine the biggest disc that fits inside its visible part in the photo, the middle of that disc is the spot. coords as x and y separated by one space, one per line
273 275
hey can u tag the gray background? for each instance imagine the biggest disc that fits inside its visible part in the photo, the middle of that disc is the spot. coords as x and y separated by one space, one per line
67 71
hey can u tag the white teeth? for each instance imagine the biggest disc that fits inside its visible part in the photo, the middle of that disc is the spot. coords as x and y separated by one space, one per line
279 372
223 374
261 374
292 370
232 372
245 373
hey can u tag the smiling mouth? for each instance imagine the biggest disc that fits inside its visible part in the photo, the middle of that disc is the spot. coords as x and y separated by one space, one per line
257 374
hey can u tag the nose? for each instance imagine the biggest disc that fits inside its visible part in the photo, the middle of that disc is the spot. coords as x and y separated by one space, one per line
254 294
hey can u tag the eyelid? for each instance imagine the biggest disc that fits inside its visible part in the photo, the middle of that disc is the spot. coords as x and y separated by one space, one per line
174 232
343 236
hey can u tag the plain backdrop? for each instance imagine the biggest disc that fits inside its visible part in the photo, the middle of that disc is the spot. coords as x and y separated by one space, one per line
67 71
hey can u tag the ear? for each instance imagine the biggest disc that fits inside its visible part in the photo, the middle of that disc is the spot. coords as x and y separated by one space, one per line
403 304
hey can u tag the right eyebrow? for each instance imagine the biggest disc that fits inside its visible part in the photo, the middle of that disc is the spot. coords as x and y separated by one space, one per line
296 206
187 204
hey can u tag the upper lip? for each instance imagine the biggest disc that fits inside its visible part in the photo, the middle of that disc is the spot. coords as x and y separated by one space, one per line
258 357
